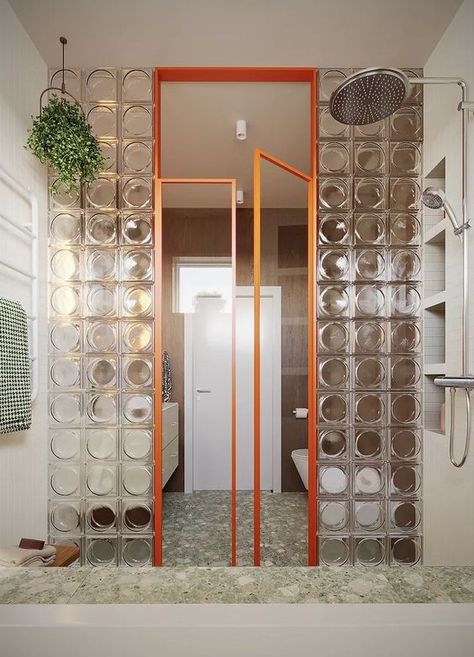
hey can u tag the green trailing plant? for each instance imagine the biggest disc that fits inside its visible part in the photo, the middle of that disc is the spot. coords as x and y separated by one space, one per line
62 138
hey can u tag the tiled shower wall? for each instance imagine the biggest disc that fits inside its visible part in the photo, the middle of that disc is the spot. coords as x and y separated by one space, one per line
369 335
101 330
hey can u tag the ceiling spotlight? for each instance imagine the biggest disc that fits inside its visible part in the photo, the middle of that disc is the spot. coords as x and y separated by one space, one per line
239 197
241 129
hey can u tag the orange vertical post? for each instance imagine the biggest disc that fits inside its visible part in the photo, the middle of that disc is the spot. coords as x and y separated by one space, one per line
233 512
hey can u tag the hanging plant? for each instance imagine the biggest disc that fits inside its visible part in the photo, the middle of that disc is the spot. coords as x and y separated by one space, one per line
62 138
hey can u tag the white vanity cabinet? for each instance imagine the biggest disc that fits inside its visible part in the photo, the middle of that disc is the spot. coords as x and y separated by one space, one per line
169 445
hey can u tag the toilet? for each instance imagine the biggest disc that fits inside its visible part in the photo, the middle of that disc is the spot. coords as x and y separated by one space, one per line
300 459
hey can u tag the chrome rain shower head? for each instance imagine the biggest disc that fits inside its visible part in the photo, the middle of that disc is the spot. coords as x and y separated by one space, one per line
435 199
369 96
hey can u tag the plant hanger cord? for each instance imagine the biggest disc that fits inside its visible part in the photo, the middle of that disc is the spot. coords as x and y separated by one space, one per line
62 88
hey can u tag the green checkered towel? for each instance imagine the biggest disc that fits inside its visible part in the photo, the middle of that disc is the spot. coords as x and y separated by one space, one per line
15 372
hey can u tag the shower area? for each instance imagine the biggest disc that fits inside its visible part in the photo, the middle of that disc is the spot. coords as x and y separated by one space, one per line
368 326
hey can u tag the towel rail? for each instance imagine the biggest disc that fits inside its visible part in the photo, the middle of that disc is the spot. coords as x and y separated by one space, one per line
29 231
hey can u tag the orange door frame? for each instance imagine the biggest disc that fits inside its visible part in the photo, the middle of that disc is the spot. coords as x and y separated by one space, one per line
235 74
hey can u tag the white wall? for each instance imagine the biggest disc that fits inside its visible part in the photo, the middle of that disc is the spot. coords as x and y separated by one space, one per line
449 492
23 456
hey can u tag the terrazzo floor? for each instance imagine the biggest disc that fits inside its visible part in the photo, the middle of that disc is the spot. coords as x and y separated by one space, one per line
419 584
196 529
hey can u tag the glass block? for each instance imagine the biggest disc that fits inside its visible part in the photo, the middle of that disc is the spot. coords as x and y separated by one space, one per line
137 516
369 301
333 264
372 131
369 551
101 516
101 337
109 151
369 372
137 552
333 444
369 444
369 480
136 192
334 159
101 265
334 193
65 336
101 300
137 336
101 85
334 551
329 128
101 479
65 372
369 337
333 337
405 480
66 264
137 301
370 159
369 408
405 265
404 229
406 124
415 92
101 408
333 372
65 444
405 159
333 479
65 517
333 516
369 515
101 444
405 444
101 551
137 157
101 372
405 337
405 408
101 229
369 228
66 300
405 194
103 121
65 480
405 516
136 228
137 264
136 479
65 408
62 199
333 300
370 194
72 79
102 193
65 228
136 85
137 444
329 81
405 551
137 121
137 372
333 408
137 408
405 373
369 264
405 301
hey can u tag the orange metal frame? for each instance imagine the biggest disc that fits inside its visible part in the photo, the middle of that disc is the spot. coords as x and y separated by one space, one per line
234 74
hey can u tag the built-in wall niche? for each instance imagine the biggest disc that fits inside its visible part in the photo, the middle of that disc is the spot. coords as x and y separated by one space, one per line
434 402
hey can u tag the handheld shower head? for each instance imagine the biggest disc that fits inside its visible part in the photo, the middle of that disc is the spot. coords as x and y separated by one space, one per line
435 199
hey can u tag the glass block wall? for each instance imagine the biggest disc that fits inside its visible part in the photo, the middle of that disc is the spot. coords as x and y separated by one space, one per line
369 335
101 330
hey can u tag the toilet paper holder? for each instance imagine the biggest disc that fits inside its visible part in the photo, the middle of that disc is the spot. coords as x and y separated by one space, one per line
300 413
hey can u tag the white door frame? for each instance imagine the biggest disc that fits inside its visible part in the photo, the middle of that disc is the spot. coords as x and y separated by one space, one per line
274 292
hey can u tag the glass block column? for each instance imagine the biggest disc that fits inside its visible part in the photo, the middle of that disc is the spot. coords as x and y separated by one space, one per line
101 332
369 335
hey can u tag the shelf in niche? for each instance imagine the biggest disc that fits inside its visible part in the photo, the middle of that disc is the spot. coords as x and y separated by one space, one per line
437 233
435 300
435 369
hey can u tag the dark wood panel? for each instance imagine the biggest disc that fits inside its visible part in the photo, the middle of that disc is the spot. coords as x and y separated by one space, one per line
292 246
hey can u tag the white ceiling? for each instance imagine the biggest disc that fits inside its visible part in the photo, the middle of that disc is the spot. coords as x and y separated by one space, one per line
319 33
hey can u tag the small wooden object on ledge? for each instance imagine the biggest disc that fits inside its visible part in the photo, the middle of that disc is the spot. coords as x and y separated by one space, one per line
65 556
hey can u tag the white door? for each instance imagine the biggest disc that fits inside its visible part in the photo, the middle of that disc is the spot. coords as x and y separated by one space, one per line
208 336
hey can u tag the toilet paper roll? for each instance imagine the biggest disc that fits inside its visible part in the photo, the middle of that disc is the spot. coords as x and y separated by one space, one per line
301 413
